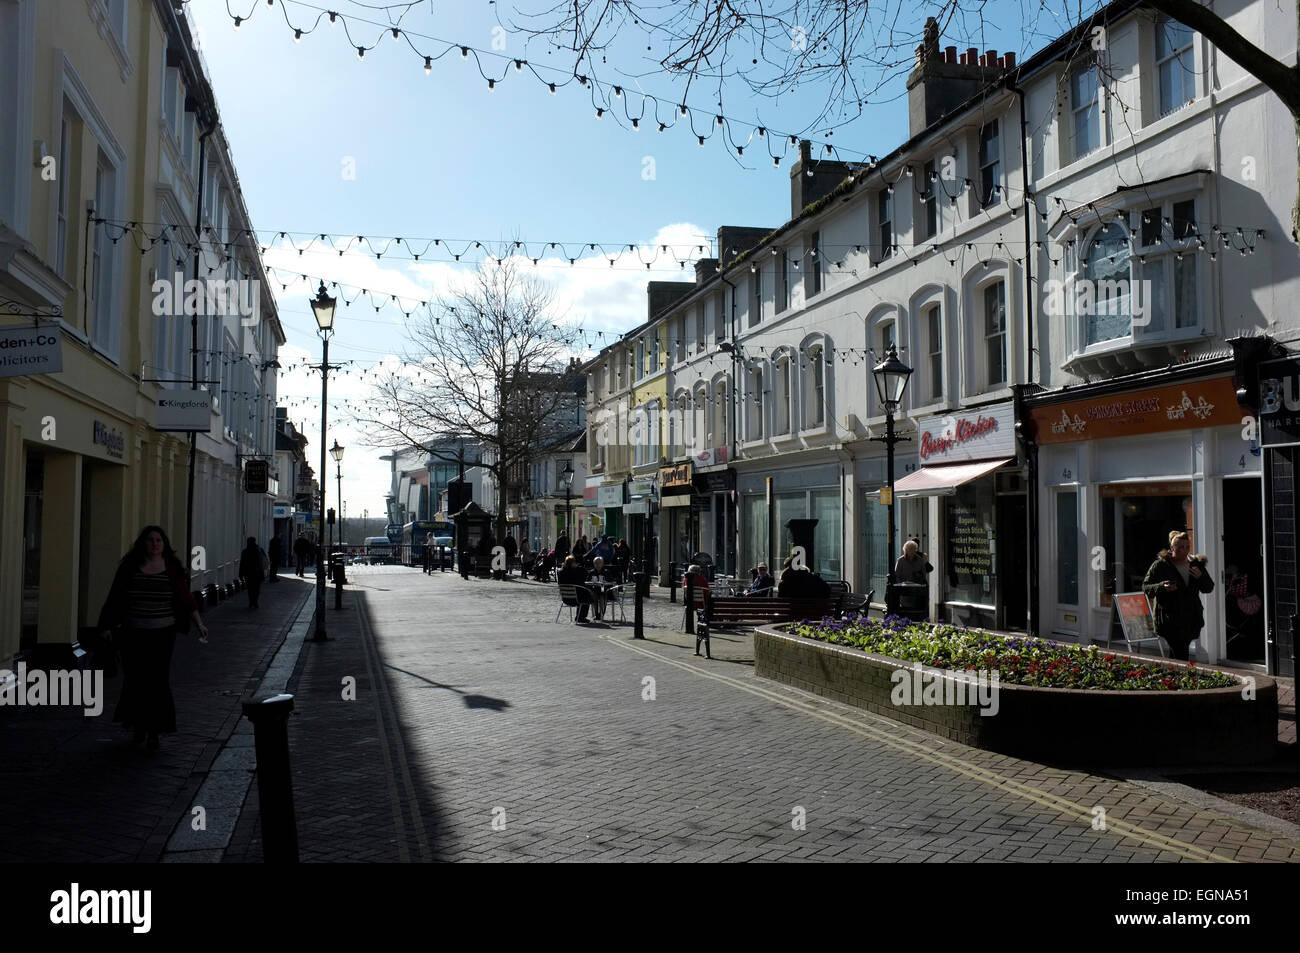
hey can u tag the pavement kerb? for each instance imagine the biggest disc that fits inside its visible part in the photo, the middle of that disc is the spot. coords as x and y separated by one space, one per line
223 775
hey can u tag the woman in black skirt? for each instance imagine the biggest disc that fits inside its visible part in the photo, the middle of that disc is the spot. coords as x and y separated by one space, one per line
148 605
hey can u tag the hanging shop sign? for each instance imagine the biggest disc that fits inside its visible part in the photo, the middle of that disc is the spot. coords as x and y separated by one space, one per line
1190 406
641 488
257 476
281 511
711 458
971 435
679 475
185 410
1279 402
26 350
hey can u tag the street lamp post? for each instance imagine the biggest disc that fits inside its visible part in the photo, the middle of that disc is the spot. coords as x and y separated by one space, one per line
336 452
891 376
566 477
322 307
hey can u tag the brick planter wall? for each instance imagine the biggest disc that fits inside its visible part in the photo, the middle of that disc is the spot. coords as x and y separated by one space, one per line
1069 726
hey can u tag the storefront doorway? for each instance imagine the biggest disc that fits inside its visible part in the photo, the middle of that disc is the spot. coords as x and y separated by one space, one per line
1013 560
1243 571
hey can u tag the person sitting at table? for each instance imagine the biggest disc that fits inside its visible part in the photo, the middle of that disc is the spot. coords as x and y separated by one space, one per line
763 582
572 574
600 585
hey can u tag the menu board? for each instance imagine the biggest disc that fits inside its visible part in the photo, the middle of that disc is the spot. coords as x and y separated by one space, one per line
1135 616
969 547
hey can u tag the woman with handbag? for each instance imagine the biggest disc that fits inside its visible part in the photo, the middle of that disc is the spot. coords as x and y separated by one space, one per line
148 604
1173 585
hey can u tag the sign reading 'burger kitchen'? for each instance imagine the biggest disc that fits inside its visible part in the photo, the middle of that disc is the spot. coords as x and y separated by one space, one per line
985 434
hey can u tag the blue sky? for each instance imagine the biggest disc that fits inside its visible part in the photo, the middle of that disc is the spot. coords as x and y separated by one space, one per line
326 142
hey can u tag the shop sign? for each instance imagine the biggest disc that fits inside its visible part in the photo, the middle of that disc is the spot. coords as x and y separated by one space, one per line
641 488
281 511
716 482
638 508
711 458
110 438
1191 406
973 435
26 350
610 497
512 513
257 474
185 410
1279 403
679 475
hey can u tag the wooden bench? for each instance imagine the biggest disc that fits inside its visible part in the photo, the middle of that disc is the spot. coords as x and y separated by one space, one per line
731 611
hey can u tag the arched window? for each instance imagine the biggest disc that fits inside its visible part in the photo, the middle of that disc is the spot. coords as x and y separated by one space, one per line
1102 303
814 405
783 393
720 407
754 403
700 419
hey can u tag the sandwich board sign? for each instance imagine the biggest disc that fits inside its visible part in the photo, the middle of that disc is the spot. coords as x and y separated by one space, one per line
1134 613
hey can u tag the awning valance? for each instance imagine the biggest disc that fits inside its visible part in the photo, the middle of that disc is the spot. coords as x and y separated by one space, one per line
944 480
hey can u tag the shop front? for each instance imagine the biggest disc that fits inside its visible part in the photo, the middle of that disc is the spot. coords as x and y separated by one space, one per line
1119 469
966 482
609 503
770 499
641 515
679 519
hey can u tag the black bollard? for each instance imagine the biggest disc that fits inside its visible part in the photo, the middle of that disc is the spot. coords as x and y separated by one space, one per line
638 618
672 582
688 596
339 579
270 718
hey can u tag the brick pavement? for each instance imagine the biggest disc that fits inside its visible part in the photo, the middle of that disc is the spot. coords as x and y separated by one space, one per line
74 789
482 730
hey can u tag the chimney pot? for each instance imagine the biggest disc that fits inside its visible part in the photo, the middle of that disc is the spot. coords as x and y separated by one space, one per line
991 58
972 56
983 59
1009 60
950 54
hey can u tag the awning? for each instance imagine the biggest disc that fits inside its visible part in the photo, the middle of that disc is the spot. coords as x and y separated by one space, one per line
943 481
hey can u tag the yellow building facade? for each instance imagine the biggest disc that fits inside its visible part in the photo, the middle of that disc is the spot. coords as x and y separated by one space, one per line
102 162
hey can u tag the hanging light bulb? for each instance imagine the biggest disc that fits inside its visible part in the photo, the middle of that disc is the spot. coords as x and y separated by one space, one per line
519 66
238 20
662 127
599 112
618 92
492 84
428 65
297 36
701 138
361 52
552 85
636 123
464 52
682 107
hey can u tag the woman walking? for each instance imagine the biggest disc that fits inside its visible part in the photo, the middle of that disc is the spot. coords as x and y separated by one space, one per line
147 606
1173 584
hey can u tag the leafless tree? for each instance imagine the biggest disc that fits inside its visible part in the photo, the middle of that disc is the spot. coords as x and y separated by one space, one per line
490 362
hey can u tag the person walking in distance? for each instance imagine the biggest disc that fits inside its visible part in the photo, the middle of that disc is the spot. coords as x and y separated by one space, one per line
148 604
1173 585
250 570
300 549
275 553
428 553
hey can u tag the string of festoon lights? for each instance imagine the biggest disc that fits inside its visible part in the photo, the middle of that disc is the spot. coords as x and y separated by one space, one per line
1178 236
606 98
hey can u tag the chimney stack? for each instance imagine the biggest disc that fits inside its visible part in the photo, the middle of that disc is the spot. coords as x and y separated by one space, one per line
943 79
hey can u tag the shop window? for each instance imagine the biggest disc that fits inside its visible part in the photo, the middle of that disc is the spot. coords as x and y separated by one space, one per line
1175 65
1067 547
824 505
104 277
754 533
1167 259
1137 519
875 531
971 544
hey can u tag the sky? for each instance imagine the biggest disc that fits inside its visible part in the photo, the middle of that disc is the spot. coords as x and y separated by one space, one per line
326 142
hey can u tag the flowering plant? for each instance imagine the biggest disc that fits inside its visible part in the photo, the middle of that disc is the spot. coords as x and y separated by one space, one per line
1021 661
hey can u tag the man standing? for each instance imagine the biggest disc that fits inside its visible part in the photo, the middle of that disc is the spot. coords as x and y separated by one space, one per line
428 553
300 548
250 568
276 555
